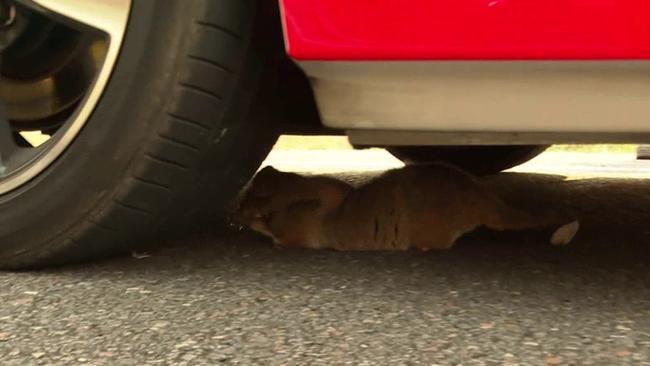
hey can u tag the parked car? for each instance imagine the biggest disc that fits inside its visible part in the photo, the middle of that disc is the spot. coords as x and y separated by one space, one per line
157 111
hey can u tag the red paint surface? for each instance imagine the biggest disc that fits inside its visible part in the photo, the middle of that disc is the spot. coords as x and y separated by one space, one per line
467 29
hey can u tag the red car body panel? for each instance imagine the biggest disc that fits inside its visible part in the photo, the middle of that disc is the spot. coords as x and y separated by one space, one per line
467 29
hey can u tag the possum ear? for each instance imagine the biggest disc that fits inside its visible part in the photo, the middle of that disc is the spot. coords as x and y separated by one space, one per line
268 169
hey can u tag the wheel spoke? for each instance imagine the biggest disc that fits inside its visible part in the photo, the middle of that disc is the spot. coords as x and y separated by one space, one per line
12 155
7 143
106 15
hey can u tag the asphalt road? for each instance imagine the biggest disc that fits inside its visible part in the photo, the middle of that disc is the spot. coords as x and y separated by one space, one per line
495 299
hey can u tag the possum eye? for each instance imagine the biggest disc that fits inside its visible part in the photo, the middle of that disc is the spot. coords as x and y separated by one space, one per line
269 217
260 200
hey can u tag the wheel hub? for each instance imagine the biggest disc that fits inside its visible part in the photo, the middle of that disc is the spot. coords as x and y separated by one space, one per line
47 69
57 56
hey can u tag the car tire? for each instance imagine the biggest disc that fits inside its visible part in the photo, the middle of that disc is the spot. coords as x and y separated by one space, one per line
643 152
478 160
174 132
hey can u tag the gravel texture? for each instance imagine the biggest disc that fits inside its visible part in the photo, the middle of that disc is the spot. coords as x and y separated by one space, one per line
231 298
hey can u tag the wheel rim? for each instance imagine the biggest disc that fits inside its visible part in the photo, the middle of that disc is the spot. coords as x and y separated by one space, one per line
52 89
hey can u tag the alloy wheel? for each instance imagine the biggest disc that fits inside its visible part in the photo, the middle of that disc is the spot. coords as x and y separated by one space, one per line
56 59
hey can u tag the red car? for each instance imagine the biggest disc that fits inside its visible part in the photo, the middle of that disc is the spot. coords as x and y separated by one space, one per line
156 111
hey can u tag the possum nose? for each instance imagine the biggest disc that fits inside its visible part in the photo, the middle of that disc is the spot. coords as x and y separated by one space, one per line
236 217
235 221
236 226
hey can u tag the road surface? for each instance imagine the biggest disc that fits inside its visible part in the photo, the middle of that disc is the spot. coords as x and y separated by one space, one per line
496 299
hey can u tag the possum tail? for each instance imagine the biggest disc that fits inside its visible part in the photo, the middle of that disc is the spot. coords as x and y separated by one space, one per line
500 216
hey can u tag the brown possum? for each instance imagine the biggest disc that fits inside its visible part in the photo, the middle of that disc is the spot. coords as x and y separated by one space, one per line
424 207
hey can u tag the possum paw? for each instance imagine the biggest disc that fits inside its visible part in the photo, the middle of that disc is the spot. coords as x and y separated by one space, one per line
565 233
